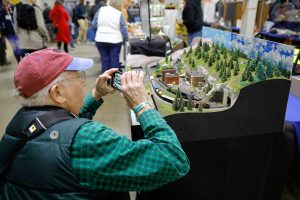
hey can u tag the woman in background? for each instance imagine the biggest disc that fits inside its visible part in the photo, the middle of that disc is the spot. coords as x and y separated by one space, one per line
111 33
192 17
60 18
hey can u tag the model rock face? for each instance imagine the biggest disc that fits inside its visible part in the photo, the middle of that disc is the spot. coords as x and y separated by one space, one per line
207 77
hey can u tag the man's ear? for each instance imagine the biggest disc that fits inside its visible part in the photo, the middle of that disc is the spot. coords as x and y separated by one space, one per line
56 94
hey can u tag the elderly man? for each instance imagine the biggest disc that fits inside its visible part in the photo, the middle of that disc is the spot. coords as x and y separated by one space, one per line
77 158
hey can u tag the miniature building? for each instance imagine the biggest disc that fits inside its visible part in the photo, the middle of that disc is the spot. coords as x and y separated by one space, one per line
169 76
195 80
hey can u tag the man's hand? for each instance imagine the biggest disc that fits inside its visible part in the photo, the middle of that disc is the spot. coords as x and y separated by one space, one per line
133 88
102 88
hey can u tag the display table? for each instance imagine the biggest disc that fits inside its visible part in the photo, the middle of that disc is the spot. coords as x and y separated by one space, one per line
293 116
287 39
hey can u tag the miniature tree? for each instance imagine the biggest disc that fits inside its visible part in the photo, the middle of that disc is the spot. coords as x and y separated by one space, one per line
258 59
217 66
276 71
193 64
158 68
166 59
190 59
181 104
251 66
210 61
280 65
225 55
250 77
269 71
178 93
189 104
190 50
236 70
199 55
260 72
175 104
228 73
171 60
184 52
224 76
200 107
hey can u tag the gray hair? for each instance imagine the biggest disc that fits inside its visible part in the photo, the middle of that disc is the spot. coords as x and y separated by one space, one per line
39 98
117 4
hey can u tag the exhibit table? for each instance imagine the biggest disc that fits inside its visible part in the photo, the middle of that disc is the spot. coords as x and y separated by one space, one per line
293 116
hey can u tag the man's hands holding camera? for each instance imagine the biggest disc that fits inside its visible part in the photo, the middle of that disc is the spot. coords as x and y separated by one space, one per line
132 87
102 88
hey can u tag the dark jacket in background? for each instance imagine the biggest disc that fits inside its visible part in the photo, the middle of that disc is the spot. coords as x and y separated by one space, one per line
6 25
192 16
96 7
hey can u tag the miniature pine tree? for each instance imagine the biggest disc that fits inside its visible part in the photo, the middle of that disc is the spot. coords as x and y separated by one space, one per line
260 72
210 61
190 59
193 64
276 71
200 107
250 77
217 66
166 59
236 70
184 52
199 55
269 71
175 104
225 55
224 76
251 66
171 60
280 65
178 93
228 73
189 104
190 50
181 104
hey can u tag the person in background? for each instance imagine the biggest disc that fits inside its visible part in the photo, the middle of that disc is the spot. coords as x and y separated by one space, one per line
277 10
48 22
60 19
111 33
192 17
3 59
95 8
125 5
87 9
77 158
8 32
82 22
30 40
69 10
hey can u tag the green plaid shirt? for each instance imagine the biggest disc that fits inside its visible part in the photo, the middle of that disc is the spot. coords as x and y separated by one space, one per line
101 159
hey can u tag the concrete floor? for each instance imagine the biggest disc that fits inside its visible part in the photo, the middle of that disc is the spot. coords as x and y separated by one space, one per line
113 113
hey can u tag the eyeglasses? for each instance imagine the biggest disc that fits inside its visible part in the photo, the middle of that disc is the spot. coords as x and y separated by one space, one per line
80 76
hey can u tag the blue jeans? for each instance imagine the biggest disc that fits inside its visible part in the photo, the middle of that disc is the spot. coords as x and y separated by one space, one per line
14 42
109 53
191 36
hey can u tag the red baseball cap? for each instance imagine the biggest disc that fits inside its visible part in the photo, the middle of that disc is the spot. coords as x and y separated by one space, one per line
36 70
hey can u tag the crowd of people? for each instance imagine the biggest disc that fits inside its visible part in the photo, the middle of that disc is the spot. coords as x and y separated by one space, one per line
29 28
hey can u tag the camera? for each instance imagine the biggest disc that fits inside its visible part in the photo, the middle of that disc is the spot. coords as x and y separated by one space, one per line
115 80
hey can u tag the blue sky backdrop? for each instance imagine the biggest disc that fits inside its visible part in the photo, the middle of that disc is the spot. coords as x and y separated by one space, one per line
269 51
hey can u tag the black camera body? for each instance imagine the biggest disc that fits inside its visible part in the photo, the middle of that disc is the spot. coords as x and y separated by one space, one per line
115 80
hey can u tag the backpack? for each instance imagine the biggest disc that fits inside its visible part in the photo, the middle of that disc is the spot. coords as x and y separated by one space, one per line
26 17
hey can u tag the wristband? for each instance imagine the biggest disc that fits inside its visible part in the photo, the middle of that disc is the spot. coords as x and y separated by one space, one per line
140 106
